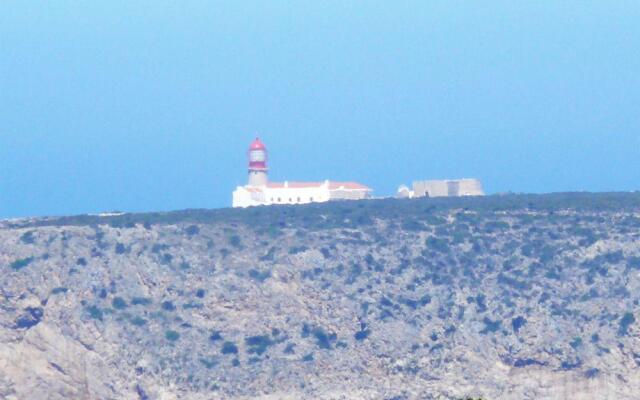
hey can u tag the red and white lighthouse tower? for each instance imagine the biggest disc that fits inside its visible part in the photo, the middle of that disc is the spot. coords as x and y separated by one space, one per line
257 164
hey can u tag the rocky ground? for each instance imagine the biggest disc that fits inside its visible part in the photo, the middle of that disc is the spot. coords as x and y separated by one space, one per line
514 297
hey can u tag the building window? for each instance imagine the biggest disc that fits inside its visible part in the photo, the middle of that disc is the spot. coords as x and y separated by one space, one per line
298 199
310 198
290 200
278 199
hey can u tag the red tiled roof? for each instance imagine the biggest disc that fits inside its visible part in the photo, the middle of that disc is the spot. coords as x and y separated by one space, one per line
298 185
332 185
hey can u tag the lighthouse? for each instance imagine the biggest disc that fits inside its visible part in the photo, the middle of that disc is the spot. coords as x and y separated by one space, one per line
257 164
260 192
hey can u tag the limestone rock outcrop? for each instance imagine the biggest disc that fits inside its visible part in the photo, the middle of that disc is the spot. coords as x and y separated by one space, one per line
515 297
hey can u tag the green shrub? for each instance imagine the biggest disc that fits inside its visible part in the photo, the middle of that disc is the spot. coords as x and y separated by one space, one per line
192 230
118 303
490 326
576 342
362 335
258 344
138 321
517 323
166 258
59 290
438 244
158 247
235 241
229 348
324 339
435 220
95 312
625 322
495 226
412 225
298 249
142 301
289 349
120 249
21 263
208 363
270 255
215 336
259 276
27 238
519 285
633 263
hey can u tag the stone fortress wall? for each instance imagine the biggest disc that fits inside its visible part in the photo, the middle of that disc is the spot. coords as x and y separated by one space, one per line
442 188
447 188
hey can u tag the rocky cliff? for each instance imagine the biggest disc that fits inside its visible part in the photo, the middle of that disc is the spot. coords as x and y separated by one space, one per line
504 297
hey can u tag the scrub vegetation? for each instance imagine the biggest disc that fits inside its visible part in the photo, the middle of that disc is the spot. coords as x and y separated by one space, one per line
391 299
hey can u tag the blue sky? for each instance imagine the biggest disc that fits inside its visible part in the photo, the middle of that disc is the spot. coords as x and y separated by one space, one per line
150 105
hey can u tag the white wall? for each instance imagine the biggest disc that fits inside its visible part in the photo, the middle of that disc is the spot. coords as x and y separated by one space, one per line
245 197
296 195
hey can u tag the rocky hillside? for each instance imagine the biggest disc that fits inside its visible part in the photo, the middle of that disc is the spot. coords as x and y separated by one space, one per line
504 297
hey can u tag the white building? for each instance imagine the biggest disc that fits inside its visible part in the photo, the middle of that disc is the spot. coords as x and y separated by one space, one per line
259 191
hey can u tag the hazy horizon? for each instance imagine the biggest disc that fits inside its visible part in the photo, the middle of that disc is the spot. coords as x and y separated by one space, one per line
150 106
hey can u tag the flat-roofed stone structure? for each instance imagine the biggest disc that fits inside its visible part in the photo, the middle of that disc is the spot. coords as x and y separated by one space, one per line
443 188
